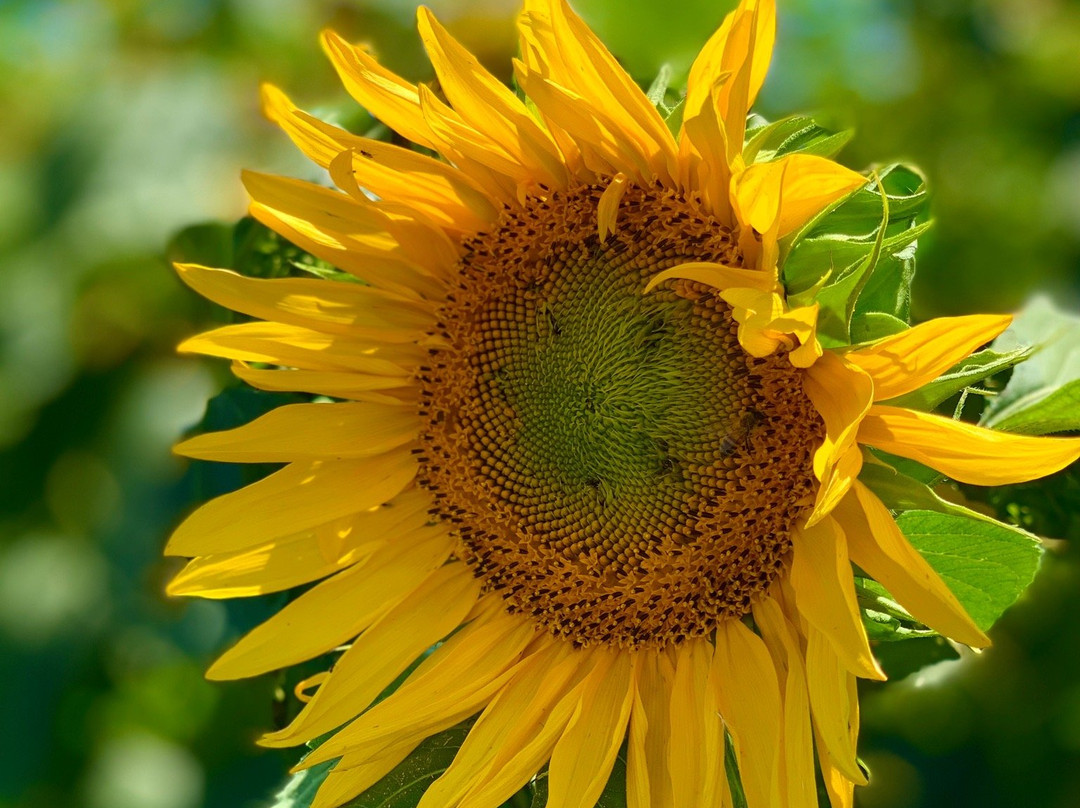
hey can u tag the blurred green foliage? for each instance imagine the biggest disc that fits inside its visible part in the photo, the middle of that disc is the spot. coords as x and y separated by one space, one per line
128 120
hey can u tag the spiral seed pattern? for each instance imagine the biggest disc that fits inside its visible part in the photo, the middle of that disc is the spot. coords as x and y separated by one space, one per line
615 465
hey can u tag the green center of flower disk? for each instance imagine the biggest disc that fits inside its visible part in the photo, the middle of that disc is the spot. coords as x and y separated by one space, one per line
614 463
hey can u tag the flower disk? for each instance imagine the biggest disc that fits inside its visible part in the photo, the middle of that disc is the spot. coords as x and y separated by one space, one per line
616 466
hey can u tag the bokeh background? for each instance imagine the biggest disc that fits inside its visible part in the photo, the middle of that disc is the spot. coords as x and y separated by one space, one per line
125 121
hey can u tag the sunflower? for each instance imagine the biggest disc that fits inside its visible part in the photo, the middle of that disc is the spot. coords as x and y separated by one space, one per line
587 475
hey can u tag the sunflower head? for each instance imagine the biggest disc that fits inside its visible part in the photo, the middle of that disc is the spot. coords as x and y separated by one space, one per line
615 464
580 464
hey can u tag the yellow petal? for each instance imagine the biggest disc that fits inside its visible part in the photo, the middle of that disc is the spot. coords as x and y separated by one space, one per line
430 612
473 143
722 74
454 682
309 432
296 498
289 562
838 481
605 148
703 153
305 556
965 452
530 749
842 394
715 275
749 695
825 594
385 95
526 710
331 306
908 360
724 55
390 172
336 610
877 546
556 44
336 384
372 257
649 742
278 344
696 752
344 783
795 785
607 211
802 324
801 185
834 705
488 105
584 755
396 102
332 218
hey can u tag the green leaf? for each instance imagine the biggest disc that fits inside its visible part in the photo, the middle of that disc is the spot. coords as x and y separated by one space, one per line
798 133
970 371
674 118
731 766
1043 394
259 252
858 261
669 103
875 325
904 186
838 297
406 783
888 291
657 92
884 618
986 564
804 263
902 492
299 791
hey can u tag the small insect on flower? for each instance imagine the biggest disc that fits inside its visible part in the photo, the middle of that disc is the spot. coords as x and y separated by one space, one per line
583 442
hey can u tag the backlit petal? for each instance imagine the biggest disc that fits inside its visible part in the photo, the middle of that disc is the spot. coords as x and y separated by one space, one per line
454 682
583 757
488 105
835 707
431 611
795 784
825 594
696 748
750 702
336 610
305 556
556 44
298 497
877 546
806 185
309 432
842 394
965 452
908 360
648 772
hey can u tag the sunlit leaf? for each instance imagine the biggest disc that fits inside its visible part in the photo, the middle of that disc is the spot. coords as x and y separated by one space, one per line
986 564
1043 394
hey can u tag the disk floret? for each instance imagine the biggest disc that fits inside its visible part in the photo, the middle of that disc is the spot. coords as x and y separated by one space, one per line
615 464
